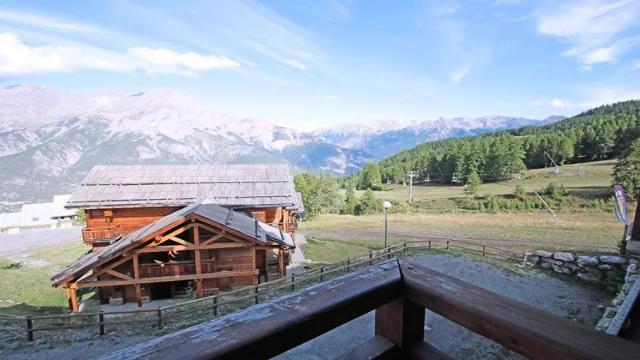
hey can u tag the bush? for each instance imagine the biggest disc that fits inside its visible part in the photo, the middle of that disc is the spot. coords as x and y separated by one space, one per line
401 207
368 204
519 191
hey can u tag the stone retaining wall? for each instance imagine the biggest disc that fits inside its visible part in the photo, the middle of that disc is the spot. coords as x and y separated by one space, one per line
608 270
612 271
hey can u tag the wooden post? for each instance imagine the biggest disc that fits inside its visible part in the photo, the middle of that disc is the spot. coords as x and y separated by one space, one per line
283 268
348 264
370 257
635 230
404 248
483 250
215 305
198 260
401 321
293 282
447 244
321 273
159 318
524 259
429 245
73 298
255 289
29 328
101 322
136 275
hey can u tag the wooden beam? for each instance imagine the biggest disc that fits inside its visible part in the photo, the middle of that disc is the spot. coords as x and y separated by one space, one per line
214 238
198 260
174 233
167 248
123 260
161 279
401 321
528 330
117 274
181 242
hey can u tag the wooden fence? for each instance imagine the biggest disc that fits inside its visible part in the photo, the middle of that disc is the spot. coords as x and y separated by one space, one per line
191 312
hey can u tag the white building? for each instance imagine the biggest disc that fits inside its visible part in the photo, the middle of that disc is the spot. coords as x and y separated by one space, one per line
51 214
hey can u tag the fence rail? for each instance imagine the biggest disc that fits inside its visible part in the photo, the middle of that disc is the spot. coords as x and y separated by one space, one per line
233 300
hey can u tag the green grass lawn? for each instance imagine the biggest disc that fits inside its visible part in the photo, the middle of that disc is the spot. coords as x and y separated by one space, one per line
25 287
335 237
595 183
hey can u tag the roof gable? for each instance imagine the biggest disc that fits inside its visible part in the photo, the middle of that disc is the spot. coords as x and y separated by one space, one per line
234 222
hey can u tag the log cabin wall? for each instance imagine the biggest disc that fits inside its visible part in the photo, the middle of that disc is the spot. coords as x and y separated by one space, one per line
104 224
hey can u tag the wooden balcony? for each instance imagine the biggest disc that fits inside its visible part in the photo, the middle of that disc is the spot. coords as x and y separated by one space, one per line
174 268
102 234
399 292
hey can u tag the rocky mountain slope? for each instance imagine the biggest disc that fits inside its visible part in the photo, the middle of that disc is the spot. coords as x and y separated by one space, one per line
50 138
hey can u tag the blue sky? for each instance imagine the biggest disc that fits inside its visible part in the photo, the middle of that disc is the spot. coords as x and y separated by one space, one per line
309 64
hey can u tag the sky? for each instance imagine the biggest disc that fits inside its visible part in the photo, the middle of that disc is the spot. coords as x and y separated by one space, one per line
308 63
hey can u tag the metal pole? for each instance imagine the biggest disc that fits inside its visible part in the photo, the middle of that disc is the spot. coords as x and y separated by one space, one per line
385 227
411 175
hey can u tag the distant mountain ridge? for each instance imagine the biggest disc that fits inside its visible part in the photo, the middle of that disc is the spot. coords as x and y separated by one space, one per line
386 141
50 138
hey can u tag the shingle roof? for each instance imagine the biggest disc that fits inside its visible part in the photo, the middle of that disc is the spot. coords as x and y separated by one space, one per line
234 220
262 185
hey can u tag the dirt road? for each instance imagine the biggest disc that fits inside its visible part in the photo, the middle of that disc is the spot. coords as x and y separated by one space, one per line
34 240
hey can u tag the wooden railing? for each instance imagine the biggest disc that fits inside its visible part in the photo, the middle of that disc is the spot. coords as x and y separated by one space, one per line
101 233
399 292
196 311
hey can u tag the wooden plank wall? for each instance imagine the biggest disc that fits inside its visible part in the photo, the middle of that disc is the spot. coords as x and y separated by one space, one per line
127 219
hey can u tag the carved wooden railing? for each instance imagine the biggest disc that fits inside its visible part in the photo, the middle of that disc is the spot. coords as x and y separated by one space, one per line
96 234
399 292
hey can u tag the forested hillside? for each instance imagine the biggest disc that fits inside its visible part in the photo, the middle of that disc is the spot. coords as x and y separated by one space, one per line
600 133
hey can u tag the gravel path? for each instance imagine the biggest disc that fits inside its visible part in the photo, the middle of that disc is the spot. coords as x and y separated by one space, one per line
566 298
34 240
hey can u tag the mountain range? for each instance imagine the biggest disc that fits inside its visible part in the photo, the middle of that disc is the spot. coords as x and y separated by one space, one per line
50 138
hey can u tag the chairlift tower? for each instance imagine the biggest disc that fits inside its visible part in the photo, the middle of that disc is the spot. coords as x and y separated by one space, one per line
557 167
411 175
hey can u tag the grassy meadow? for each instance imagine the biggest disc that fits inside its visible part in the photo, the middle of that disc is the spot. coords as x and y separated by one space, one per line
334 237
25 287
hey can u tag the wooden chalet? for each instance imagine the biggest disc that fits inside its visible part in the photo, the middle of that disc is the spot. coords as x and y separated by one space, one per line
201 247
118 200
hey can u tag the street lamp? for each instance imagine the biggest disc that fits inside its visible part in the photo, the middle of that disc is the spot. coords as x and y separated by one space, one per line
386 205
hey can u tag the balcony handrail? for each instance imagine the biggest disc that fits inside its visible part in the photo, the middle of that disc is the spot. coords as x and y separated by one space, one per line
399 291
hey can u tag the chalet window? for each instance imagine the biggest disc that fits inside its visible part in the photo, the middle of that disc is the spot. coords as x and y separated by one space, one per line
35 218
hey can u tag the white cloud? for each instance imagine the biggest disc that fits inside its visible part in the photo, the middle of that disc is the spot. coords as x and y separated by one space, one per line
459 74
189 61
18 58
40 21
559 103
595 30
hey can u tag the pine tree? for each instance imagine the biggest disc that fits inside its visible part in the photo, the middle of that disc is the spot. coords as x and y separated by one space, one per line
350 201
473 183
370 177
627 171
